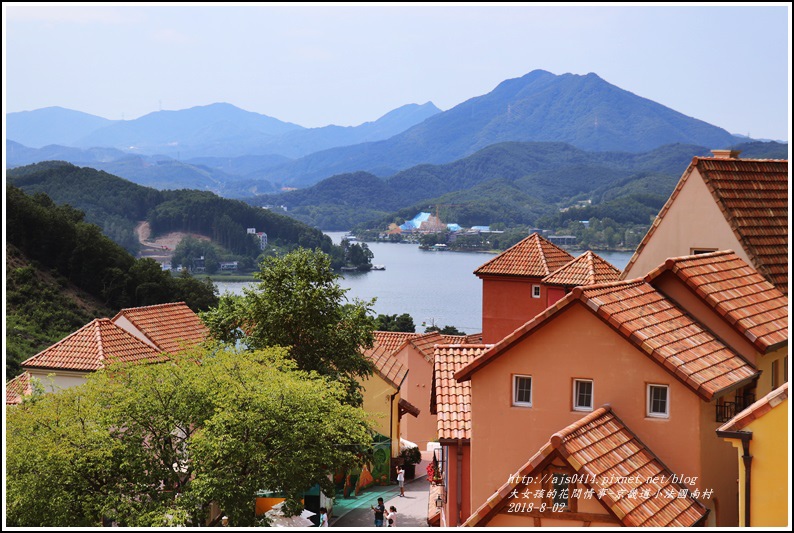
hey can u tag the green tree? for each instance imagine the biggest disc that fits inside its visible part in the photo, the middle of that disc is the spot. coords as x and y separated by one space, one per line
154 445
403 322
299 305
446 330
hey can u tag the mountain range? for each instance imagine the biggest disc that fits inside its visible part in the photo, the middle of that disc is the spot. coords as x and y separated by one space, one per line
239 153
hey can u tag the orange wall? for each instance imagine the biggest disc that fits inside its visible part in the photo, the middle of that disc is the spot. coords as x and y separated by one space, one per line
416 389
554 294
450 509
693 221
575 344
507 304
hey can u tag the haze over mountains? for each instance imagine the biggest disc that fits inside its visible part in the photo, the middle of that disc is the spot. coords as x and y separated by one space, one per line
239 153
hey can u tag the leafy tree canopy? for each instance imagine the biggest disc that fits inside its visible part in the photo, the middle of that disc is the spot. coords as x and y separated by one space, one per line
153 445
403 322
299 305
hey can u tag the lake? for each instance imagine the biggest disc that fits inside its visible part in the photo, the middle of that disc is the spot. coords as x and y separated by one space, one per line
433 287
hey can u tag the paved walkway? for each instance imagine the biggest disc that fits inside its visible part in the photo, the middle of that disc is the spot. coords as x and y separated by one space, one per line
411 510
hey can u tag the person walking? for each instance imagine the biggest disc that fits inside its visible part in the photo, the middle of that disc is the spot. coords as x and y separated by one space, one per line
391 516
379 510
323 517
401 480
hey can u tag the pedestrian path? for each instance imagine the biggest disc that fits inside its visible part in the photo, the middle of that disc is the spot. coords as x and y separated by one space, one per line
411 509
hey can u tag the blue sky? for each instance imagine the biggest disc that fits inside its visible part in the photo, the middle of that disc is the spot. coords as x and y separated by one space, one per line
318 65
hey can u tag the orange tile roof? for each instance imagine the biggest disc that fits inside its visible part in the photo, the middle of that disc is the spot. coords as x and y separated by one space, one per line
753 196
587 269
171 327
451 400
386 365
90 347
424 343
756 410
17 388
613 461
654 325
474 338
534 256
393 340
737 292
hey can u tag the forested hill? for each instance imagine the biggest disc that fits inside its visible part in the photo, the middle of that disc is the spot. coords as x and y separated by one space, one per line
116 205
62 272
512 183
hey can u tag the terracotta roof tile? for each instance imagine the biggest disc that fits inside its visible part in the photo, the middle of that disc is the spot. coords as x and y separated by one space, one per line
753 196
756 410
393 340
17 388
737 292
92 346
603 450
451 401
534 256
474 338
424 344
656 326
171 327
587 269
386 365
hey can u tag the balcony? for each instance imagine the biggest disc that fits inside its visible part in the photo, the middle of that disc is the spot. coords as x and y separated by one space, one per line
727 410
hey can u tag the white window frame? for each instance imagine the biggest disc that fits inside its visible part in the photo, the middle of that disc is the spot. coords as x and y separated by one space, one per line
516 403
536 288
576 395
648 402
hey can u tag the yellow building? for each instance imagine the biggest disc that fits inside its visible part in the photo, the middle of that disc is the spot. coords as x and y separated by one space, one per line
383 403
760 436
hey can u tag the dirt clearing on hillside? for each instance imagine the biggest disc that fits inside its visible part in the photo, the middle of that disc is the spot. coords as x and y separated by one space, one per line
161 248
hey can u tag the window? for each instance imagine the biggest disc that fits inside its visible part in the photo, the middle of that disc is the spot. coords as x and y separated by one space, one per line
522 391
583 395
536 291
658 403
698 251
775 374
785 369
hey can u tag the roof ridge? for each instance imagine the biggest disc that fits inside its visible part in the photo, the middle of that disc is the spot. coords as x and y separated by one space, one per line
98 339
590 260
558 437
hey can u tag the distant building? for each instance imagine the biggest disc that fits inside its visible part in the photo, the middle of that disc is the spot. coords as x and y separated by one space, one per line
562 240
262 236
251 231
228 266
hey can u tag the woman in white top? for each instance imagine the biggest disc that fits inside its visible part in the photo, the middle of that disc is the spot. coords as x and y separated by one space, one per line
323 517
391 517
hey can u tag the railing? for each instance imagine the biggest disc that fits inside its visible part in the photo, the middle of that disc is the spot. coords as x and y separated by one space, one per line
728 410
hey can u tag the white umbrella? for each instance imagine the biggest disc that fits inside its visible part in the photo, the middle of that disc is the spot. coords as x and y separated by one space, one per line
277 518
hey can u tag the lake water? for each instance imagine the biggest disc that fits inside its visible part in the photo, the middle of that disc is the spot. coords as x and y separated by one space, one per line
433 287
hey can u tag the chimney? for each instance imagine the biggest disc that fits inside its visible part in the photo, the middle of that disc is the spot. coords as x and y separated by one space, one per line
726 154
